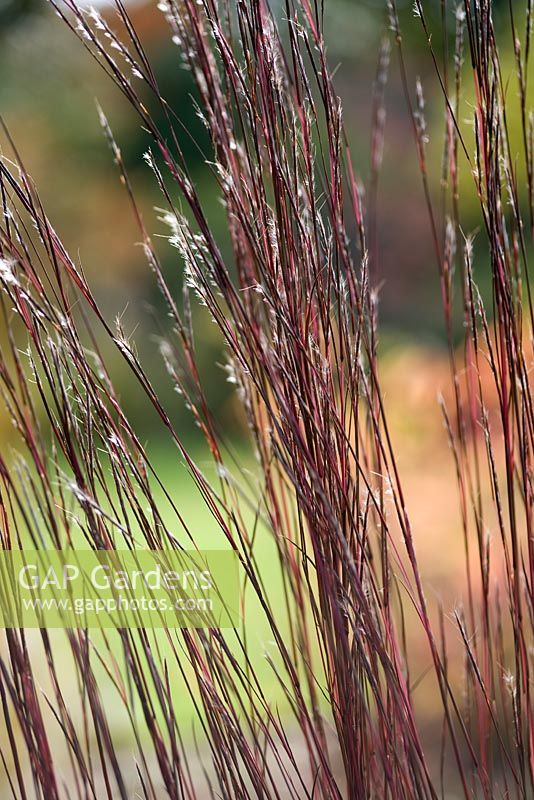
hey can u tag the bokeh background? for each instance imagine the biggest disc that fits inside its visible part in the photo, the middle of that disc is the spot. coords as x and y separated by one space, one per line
48 89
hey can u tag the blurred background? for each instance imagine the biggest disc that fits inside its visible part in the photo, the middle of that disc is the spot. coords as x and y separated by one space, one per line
47 97
48 90
48 93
